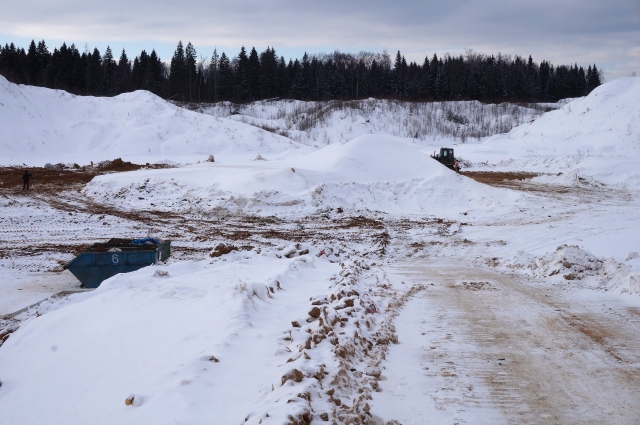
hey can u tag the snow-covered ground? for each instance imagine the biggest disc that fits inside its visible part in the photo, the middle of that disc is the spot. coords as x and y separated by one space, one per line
364 282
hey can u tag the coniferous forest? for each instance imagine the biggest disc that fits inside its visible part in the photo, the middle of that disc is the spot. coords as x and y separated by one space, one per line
252 76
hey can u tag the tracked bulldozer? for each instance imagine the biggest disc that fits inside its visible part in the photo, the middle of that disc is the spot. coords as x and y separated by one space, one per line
446 158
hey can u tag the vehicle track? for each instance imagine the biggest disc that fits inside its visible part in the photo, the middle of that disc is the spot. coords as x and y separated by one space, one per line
541 357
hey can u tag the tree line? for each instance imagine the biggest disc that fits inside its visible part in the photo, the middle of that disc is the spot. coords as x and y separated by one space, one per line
254 76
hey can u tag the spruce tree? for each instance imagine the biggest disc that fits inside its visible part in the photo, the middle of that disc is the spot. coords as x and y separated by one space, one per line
269 86
177 73
300 86
33 64
213 74
43 58
156 74
191 73
241 81
225 78
434 77
107 85
94 72
595 76
123 74
253 75
283 83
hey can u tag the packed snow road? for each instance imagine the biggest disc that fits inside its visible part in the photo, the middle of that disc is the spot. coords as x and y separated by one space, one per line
481 347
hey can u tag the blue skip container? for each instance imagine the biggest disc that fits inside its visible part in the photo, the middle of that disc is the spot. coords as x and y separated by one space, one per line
104 260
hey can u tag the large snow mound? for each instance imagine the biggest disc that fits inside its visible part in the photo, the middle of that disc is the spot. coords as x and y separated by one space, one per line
375 173
595 137
39 125
373 158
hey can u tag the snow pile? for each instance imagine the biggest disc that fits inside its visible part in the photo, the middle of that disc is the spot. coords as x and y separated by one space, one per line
39 125
571 262
374 173
206 343
596 137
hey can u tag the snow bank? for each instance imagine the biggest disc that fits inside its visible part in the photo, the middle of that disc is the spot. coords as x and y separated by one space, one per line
374 173
595 137
201 343
570 262
39 125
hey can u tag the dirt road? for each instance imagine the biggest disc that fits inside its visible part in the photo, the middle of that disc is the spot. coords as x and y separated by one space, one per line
482 347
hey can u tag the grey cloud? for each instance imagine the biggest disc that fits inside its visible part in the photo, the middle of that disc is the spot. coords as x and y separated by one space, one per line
571 28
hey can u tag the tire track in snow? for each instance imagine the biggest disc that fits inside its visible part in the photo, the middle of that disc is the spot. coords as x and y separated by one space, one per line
539 358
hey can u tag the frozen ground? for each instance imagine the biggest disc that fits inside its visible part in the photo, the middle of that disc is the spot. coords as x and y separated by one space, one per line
354 282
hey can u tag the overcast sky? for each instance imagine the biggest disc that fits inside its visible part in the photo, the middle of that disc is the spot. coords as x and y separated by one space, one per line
606 33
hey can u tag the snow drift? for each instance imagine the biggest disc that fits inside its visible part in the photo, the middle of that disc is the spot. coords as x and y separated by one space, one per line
204 343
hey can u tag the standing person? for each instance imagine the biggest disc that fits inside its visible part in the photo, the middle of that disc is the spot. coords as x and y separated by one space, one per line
25 179
456 166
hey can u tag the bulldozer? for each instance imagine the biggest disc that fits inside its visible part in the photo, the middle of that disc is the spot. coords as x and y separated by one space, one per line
446 158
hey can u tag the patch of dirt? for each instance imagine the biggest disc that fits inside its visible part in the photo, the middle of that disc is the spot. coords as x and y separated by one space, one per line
222 249
477 286
361 221
522 181
495 178
60 178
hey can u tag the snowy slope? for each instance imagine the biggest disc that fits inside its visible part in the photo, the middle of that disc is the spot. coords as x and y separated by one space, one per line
40 125
596 137
323 123
374 173
154 336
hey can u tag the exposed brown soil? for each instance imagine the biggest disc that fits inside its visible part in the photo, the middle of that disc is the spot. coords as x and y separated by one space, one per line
57 179
522 181
494 178
361 221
